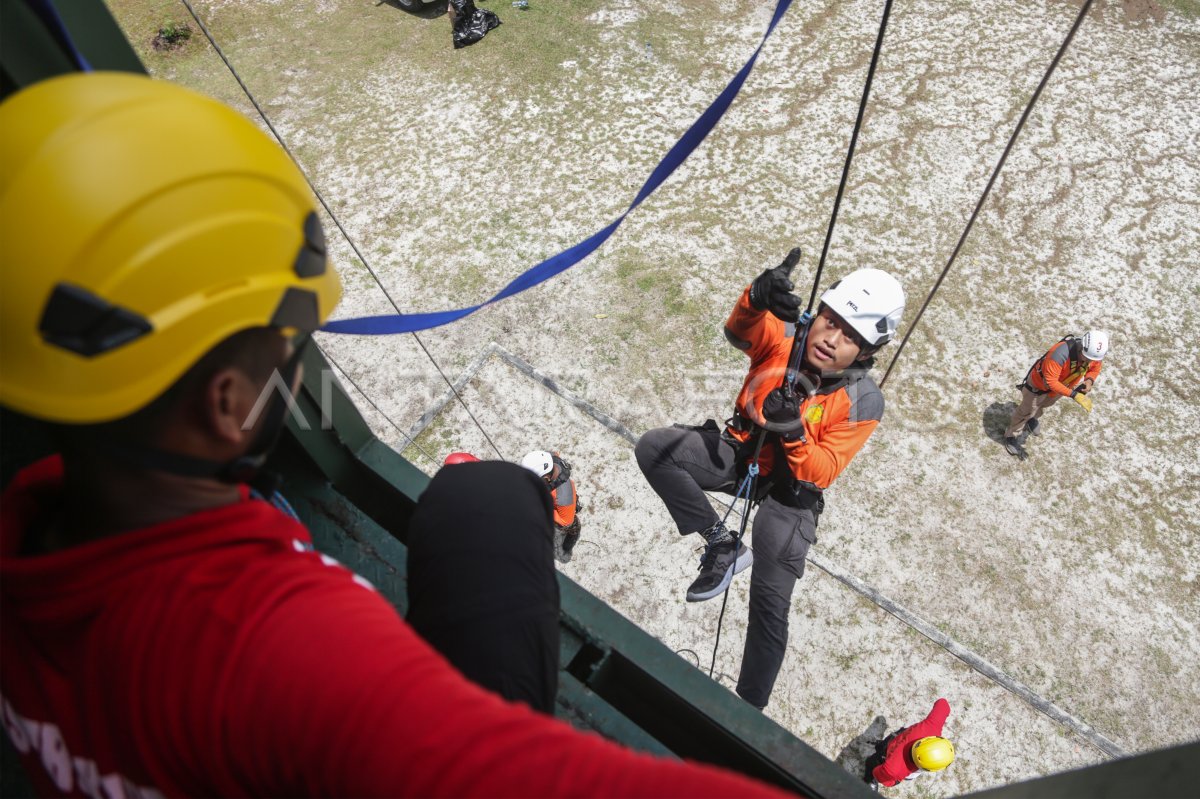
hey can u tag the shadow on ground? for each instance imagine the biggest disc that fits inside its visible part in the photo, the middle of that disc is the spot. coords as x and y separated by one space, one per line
995 420
853 757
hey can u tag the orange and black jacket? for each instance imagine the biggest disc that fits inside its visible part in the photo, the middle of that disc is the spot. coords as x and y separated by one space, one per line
838 418
562 490
1061 369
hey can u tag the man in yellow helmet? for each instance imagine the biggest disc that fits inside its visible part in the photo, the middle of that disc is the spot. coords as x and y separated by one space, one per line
162 631
912 751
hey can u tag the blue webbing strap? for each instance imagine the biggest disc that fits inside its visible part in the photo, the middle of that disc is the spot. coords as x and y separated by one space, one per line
408 323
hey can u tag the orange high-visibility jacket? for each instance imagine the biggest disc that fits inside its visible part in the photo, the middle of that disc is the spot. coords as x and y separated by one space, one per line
1058 372
838 418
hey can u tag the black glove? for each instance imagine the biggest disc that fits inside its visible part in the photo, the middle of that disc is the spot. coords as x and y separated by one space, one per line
781 412
772 290
1076 390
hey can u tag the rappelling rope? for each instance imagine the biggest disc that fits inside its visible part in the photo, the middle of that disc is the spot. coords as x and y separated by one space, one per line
362 258
988 188
745 491
794 358
862 109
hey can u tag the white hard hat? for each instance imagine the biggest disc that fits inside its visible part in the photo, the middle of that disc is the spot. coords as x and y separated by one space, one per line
539 462
1095 345
869 300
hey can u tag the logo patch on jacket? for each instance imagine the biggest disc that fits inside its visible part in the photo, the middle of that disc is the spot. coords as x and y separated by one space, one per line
814 413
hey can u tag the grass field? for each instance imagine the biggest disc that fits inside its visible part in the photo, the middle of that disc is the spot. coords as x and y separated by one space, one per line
1075 571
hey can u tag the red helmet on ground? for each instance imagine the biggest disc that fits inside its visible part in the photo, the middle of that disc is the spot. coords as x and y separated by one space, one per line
459 457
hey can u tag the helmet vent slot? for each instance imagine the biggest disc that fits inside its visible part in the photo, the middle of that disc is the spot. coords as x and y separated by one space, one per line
298 309
78 320
310 261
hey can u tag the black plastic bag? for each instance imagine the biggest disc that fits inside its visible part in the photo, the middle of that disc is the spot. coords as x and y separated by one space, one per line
470 23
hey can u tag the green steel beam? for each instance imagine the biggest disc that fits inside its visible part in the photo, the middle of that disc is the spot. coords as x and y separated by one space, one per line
1172 773
28 53
679 705
332 434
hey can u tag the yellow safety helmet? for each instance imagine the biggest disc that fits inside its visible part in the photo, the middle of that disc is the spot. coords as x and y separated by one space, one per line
141 224
932 753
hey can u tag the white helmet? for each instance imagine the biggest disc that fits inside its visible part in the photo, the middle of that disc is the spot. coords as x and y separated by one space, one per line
539 462
1095 345
869 300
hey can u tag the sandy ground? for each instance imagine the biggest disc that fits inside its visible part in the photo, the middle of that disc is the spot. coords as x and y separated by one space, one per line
1075 572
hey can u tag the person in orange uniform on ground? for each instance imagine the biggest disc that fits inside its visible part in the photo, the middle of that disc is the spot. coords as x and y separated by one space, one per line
556 473
810 434
163 630
912 751
1069 369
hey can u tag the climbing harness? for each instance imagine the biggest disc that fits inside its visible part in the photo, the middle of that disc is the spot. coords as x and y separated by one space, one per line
794 359
1074 361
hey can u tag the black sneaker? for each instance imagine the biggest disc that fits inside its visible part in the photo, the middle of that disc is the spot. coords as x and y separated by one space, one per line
1013 447
717 567
1031 428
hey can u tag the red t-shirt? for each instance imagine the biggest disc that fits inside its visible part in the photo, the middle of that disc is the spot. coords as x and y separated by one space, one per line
218 655
899 763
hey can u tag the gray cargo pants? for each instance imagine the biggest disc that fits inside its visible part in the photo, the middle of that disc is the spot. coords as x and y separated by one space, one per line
680 464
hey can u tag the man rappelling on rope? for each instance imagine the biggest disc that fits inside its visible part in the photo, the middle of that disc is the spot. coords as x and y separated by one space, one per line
806 407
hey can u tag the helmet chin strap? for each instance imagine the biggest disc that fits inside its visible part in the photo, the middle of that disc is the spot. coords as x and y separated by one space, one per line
246 468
